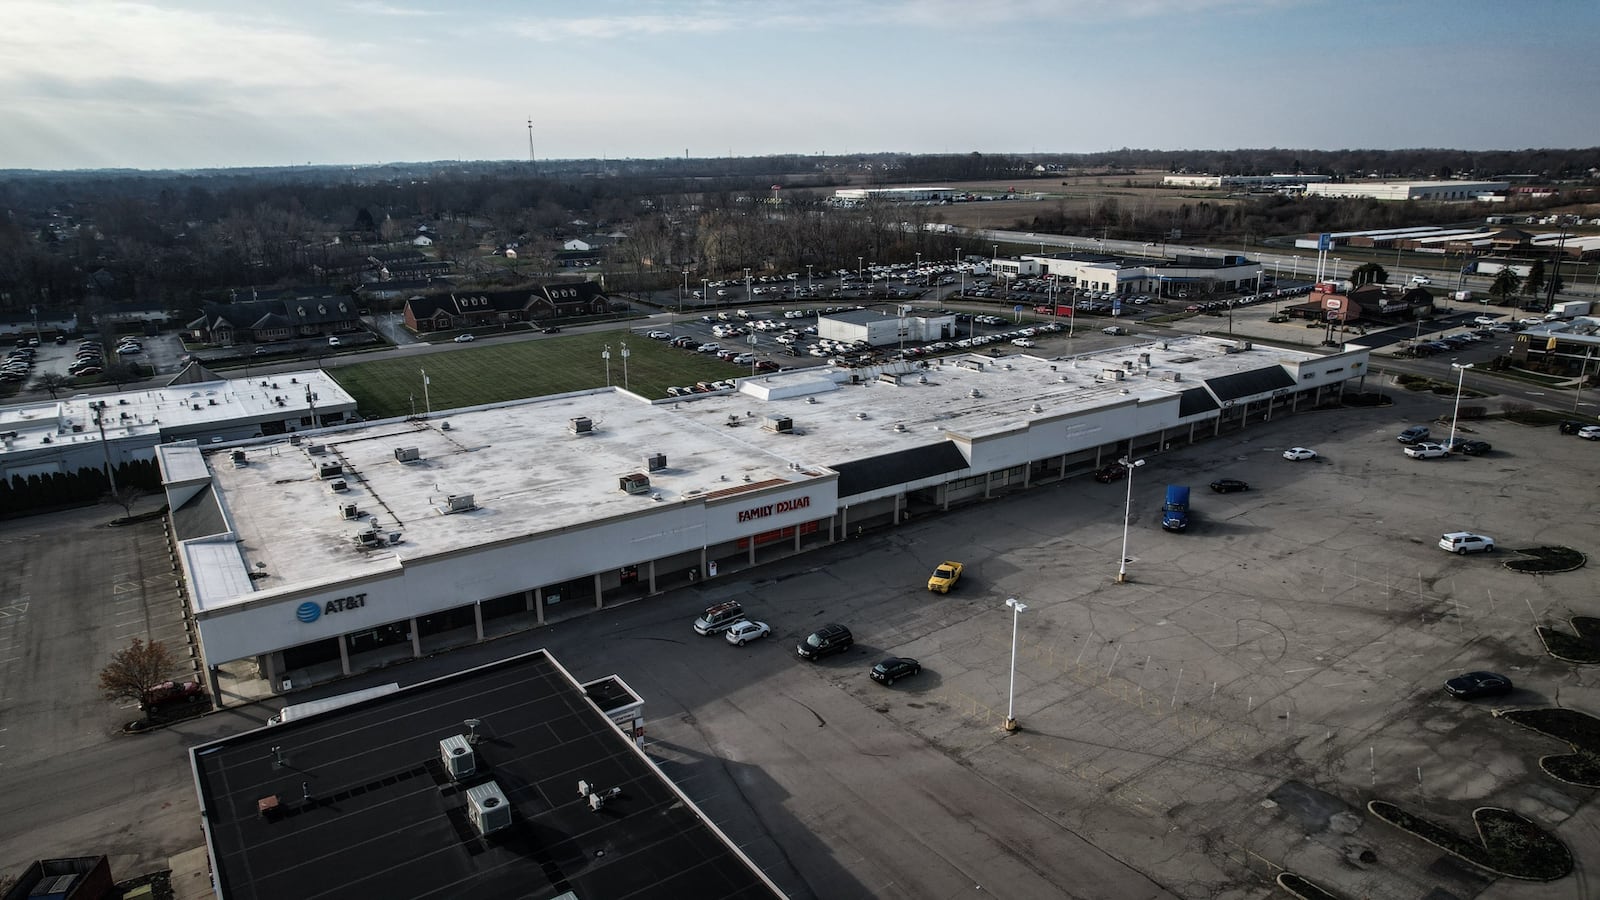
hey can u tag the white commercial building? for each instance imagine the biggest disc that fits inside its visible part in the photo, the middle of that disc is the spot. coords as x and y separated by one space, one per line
1218 181
308 556
883 327
1163 277
1410 190
47 437
858 196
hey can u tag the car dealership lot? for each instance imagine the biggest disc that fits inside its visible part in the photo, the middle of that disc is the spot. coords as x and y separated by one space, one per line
1175 730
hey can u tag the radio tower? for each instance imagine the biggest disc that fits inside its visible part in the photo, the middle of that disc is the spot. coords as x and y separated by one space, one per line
531 161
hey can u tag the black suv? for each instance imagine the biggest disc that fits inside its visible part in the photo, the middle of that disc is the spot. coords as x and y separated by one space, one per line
1571 426
825 641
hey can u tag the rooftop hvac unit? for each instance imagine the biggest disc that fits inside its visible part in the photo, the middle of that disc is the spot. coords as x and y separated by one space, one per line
488 809
455 752
1172 376
974 393
329 470
1111 374
348 510
1161 345
407 454
369 538
1144 360
580 425
635 483
456 503
655 462
1244 346
338 485
238 458
294 440
780 424
317 449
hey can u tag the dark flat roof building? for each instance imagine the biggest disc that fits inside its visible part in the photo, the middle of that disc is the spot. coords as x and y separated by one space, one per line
361 802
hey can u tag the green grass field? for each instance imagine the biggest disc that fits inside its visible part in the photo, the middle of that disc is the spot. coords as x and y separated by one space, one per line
473 375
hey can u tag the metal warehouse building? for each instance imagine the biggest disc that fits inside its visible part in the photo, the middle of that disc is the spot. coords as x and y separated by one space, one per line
1410 190
311 556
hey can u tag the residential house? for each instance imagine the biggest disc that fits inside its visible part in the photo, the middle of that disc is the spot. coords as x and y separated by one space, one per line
276 316
539 303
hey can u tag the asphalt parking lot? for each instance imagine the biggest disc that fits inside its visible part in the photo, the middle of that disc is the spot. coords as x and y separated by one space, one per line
1224 715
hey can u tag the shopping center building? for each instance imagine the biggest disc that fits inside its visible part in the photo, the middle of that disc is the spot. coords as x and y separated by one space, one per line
313 555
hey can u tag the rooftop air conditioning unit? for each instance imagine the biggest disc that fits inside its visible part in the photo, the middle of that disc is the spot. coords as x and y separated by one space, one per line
1161 345
779 424
580 425
238 458
655 462
455 752
329 470
456 503
1111 374
348 511
1244 346
1173 375
369 539
317 449
338 485
1144 360
294 440
635 483
488 809
407 454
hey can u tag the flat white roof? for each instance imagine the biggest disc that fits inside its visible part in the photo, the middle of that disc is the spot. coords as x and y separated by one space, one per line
151 411
529 474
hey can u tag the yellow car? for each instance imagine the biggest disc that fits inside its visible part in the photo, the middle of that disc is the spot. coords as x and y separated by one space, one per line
945 577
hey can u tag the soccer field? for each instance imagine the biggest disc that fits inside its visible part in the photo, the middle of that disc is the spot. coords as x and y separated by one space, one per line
534 368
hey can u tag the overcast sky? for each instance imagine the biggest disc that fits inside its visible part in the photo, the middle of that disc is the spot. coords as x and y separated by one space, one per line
199 83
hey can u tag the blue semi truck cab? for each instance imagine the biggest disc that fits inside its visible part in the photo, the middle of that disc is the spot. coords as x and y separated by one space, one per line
1175 512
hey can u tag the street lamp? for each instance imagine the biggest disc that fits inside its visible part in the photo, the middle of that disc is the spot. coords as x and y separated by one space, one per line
861 275
624 366
1461 376
1017 607
808 278
1127 514
606 355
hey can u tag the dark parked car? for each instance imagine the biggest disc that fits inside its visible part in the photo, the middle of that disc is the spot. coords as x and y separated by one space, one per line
887 671
1111 472
825 641
1478 684
1571 426
1229 485
170 692
1413 434
1469 447
551 329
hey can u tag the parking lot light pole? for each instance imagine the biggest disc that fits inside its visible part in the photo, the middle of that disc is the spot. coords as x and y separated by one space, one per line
606 355
809 288
861 274
1461 376
1017 607
1127 514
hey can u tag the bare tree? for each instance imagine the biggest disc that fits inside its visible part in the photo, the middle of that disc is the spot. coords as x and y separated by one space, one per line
53 382
125 496
133 671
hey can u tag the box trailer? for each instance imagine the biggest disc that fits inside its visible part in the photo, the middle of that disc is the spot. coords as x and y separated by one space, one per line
1568 309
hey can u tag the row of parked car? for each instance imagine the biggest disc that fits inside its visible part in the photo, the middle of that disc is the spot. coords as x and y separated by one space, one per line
729 620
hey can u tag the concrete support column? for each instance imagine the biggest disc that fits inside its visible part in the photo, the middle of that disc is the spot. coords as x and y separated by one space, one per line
988 481
832 521
599 598
1027 476
530 598
271 660
703 561
797 539
416 640
750 555
1216 424
538 604
944 497
844 523
477 618
896 517
651 568
344 654
1061 470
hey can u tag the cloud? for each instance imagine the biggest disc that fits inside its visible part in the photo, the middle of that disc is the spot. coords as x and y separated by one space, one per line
377 8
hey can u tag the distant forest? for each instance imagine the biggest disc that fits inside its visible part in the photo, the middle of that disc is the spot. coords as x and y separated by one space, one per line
174 238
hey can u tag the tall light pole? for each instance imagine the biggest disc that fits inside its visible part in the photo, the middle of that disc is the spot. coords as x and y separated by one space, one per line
747 295
861 275
427 402
705 290
1461 376
809 288
624 366
1127 514
1583 372
606 355
1017 607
